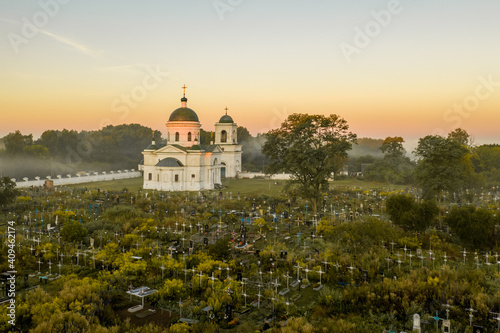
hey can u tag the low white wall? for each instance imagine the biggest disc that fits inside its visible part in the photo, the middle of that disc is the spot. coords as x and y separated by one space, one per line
278 176
80 178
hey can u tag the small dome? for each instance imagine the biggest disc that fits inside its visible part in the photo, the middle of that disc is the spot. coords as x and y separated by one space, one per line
169 162
183 114
152 146
226 119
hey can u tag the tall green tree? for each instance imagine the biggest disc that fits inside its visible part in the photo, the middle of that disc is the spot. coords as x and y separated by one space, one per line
311 148
441 166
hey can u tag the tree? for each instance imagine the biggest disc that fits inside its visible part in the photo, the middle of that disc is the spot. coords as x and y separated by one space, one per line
16 142
393 146
73 231
8 191
220 250
441 166
410 215
460 136
395 167
474 227
311 148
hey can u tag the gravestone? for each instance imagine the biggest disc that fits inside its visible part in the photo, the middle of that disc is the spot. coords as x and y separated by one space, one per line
446 326
416 323
206 227
205 241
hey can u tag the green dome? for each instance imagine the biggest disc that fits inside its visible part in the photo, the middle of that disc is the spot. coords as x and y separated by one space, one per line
226 119
183 114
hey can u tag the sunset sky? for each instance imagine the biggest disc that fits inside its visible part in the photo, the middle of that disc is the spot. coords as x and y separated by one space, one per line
390 68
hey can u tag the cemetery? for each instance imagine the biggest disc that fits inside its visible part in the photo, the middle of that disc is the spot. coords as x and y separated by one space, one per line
130 259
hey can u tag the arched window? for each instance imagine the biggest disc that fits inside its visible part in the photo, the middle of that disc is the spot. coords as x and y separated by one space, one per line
176 136
223 136
189 136
234 136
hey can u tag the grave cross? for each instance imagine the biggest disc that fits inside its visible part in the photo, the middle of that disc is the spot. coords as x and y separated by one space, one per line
287 278
162 269
326 264
497 318
298 237
447 306
398 261
245 295
351 268
464 253
471 310
337 265
213 278
259 296
200 275
307 271
276 284
320 272
298 269
392 246
39 264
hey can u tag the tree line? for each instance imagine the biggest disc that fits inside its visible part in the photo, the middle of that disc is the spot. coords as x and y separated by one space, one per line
59 152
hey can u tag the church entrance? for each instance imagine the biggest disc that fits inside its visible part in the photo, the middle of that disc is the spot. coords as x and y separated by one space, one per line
223 171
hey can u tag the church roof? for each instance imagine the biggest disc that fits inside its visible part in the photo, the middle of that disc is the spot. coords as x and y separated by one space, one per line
179 146
195 147
226 119
183 114
209 148
170 162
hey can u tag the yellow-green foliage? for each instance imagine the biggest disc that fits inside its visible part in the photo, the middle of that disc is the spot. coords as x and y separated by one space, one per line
171 289
64 215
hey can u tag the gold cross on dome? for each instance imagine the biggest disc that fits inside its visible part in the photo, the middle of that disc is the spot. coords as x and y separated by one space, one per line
226 110
184 93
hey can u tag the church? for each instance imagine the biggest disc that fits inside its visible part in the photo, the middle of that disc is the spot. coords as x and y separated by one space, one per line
186 165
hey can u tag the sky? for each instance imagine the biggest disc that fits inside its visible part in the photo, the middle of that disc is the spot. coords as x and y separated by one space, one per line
406 68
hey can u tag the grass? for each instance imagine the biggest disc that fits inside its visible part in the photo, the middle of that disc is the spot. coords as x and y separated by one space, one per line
244 186
132 184
253 186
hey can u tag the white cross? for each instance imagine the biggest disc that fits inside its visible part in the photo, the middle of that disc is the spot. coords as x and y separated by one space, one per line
298 269
320 272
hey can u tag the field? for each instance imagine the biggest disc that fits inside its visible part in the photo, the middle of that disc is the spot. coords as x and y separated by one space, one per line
245 186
